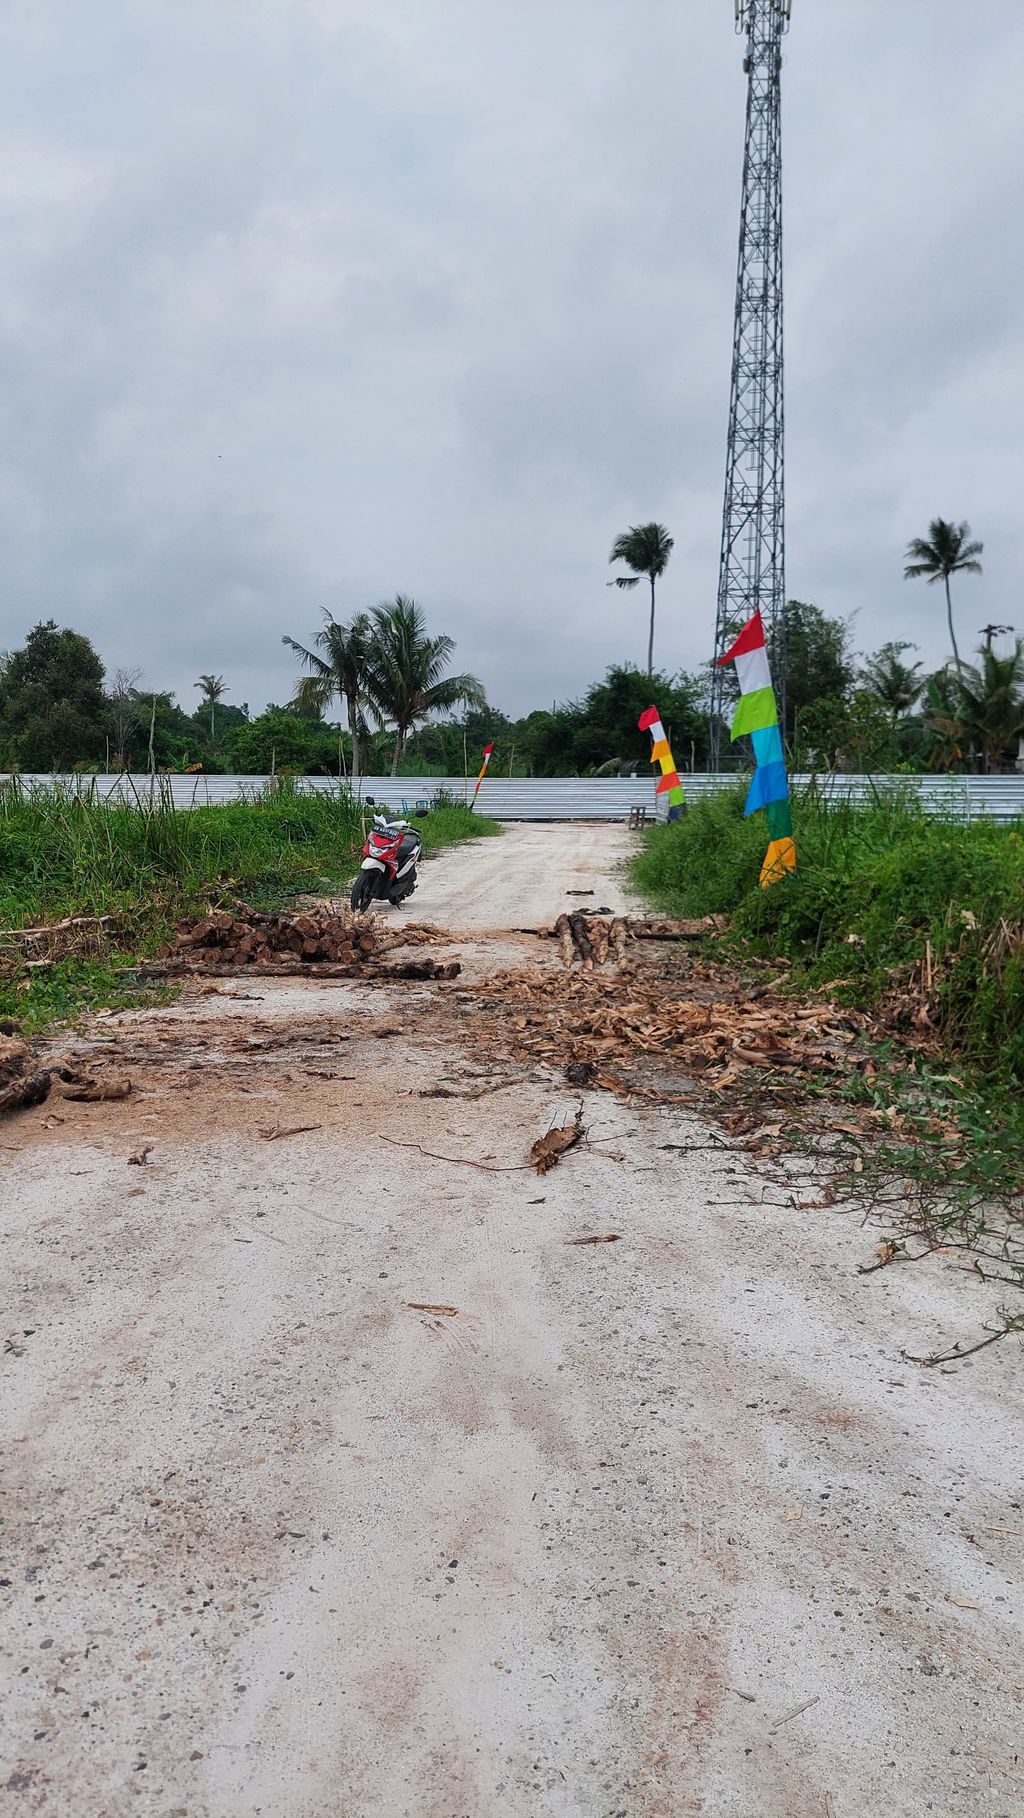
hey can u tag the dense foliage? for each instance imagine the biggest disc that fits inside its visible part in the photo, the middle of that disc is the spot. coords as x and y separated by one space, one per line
52 706
876 887
406 711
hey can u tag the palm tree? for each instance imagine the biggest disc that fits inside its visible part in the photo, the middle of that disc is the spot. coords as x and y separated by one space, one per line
886 676
992 702
645 548
407 680
341 671
213 689
946 550
942 721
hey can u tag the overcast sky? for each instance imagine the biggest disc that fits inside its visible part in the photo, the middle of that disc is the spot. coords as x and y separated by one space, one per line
306 302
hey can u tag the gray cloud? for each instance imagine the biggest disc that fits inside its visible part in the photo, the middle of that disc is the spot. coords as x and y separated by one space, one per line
304 301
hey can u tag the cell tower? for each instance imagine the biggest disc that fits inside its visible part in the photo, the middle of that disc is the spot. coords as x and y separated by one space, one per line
752 566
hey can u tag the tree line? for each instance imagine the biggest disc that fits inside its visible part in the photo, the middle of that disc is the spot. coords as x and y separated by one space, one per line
401 707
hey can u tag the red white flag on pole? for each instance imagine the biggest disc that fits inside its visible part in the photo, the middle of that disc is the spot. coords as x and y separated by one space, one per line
483 771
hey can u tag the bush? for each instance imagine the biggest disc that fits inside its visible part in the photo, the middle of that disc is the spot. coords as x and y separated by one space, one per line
69 854
876 887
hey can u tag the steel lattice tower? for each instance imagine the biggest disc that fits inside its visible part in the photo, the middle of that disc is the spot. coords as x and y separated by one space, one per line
752 565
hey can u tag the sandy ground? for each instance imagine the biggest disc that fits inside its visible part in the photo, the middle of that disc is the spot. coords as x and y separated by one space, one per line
527 876
656 1527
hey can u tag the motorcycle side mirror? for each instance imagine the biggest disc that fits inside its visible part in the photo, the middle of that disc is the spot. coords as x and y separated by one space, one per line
370 800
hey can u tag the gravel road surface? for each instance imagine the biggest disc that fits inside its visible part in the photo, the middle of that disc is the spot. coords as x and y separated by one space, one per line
338 1481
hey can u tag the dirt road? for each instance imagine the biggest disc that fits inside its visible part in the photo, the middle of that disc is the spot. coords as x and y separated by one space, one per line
531 873
645 1528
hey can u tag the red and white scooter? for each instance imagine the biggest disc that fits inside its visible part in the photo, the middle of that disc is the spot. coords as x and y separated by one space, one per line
388 870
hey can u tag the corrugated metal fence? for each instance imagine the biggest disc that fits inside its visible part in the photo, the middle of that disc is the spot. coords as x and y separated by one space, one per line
957 798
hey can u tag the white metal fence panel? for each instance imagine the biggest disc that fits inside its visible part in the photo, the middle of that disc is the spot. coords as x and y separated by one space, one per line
956 798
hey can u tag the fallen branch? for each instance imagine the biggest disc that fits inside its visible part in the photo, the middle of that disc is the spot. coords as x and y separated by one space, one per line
466 1161
954 1356
502 1085
795 1712
675 931
83 922
412 969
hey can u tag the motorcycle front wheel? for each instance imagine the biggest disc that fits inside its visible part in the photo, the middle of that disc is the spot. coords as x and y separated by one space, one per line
363 891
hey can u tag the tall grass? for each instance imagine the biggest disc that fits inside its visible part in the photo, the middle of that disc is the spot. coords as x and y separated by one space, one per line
883 898
64 852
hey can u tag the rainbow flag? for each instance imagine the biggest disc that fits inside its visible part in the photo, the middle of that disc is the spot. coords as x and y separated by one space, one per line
756 714
661 754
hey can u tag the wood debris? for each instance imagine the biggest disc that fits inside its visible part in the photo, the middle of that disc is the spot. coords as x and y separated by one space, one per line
21 1084
75 936
320 936
548 1150
588 1022
590 938
797 1711
85 1090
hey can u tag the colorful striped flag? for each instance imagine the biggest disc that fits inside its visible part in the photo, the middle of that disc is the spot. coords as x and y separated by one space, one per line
483 771
661 754
757 716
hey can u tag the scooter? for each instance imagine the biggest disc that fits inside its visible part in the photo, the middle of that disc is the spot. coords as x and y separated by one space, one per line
388 870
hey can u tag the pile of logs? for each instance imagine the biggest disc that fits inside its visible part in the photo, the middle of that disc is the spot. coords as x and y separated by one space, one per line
244 937
590 939
594 939
319 941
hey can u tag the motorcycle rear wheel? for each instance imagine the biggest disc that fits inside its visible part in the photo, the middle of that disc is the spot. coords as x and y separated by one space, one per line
403 891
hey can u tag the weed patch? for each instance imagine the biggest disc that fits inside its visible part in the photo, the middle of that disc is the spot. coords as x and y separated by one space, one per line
64 853
887 908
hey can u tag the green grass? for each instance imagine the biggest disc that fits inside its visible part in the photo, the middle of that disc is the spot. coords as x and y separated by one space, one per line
878 888
883 895
69 989
64 854
450 825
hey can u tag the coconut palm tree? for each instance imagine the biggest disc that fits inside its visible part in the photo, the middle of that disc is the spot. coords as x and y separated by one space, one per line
886 676
992 702
948 737
645 548
342 670
946 550
406 679
213 688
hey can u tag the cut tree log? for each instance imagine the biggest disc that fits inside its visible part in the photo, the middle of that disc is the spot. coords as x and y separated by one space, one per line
214 965
581 938
30 1089
19 1086
671 929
